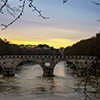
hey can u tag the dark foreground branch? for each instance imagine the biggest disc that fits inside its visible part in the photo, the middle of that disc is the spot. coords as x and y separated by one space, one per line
98 4
21 13
20 9
91 81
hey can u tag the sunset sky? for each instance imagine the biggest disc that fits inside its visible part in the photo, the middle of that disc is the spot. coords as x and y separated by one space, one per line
67 23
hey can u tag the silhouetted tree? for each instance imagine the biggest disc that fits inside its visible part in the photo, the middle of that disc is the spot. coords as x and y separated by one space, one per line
86 47
11 49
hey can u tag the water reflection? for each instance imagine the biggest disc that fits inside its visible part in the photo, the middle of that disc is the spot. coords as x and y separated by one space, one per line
28 84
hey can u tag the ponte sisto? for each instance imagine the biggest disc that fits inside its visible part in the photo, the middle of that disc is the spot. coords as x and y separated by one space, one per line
47 62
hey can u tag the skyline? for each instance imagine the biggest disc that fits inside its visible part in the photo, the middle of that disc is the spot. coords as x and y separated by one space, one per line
67 24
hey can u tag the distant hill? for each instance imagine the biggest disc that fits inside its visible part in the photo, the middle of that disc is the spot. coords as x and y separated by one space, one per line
12 49
89 47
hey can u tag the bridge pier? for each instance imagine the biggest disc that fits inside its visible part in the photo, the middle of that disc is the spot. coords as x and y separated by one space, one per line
8 72
48 72
81 72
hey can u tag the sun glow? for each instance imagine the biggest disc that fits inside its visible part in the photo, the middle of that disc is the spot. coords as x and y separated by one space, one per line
56 43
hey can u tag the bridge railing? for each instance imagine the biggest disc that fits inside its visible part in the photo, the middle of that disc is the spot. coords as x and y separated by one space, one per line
46 56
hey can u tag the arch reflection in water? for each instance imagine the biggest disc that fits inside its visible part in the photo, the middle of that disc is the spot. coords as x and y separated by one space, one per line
29 70
28 84
59 69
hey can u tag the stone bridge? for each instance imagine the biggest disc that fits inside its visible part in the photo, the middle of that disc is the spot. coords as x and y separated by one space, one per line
47 62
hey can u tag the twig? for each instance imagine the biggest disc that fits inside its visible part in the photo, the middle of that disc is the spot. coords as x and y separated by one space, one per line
35 9
3 5
98 4
64 1
21 13
12 11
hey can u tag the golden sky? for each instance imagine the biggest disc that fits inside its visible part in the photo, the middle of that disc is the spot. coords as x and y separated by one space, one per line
57 43
67 23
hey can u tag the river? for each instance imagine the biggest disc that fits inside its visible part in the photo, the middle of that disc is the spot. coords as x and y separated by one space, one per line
28 84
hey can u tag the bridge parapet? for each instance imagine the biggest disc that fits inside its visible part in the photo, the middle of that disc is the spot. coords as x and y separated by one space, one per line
9 62
47 56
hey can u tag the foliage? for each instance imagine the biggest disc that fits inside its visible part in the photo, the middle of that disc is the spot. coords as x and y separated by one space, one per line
88 47
12 49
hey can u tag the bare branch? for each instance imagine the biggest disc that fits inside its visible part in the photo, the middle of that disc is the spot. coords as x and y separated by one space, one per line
4 4
96 3
64 1
20 9
91 79
21 13
35 9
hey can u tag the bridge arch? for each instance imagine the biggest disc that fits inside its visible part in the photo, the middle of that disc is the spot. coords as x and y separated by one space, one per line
59 68
53 66
1 66
9 63
23 62
70 64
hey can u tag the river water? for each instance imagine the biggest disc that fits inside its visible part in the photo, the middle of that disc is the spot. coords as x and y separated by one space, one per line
28 84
